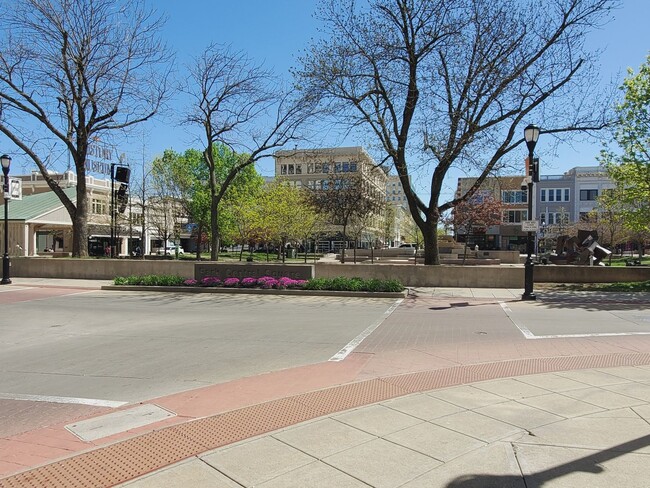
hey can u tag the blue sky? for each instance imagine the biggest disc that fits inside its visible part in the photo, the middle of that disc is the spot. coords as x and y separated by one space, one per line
275 31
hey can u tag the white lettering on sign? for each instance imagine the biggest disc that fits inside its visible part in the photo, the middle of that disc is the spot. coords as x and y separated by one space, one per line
529 226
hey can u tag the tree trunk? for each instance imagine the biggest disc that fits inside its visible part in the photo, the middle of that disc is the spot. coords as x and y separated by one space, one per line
214 227
430 234
80 221
199 231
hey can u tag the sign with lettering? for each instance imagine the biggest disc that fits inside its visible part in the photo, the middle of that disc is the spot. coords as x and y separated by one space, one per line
15 189
98 158
529 226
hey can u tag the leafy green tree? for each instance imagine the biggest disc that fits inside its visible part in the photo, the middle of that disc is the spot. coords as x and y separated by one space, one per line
288 213
185 178
631 169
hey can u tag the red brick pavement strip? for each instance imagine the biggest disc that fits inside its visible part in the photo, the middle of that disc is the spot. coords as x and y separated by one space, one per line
444 355
129 459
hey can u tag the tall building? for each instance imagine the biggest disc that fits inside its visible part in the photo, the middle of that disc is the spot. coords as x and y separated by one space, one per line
558 199
514 209
316 169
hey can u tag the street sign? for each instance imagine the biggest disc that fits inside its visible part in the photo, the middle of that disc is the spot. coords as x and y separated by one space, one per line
529 226
15 189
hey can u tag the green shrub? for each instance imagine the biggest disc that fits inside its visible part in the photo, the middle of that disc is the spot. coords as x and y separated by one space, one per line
354 284
333 284
150 280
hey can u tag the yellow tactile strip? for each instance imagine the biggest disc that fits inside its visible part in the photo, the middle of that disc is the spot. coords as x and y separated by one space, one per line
129 459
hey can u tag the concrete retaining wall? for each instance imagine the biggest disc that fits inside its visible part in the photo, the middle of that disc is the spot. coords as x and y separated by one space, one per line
409 275
447 275
96 269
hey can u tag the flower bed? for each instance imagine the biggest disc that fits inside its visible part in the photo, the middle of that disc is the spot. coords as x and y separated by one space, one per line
266 282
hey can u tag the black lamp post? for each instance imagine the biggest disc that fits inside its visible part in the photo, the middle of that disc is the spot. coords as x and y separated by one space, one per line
6 163
531 134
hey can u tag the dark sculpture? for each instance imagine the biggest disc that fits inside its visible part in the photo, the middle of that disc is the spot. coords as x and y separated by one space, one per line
579 249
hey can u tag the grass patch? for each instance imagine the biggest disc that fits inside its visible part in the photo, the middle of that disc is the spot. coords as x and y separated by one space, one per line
632 286
621 261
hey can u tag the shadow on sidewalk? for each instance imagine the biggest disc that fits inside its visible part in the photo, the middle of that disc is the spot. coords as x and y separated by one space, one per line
587 464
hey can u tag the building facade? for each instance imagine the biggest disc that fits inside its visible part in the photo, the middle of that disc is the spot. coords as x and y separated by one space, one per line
39 224
558 200
316 169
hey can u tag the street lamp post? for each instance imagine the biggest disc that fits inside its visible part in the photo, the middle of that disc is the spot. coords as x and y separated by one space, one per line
6 163
531 134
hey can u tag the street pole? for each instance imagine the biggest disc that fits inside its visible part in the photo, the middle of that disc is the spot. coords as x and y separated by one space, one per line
6 163
529 267
112 254
531 134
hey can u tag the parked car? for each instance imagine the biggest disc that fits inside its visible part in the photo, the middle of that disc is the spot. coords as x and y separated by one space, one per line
170 251
409 245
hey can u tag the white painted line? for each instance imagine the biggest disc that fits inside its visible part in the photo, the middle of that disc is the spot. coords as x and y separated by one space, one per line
529 335
351 346
601 334
59 399
523 329
120 421
4 289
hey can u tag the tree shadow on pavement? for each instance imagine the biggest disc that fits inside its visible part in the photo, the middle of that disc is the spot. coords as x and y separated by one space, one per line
595 301
586 464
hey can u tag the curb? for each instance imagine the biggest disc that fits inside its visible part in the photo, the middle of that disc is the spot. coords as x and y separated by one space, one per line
259 291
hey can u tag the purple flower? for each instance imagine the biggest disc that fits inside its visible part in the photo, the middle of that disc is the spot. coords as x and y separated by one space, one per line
190 282
267 282
211 281
231 282
249 282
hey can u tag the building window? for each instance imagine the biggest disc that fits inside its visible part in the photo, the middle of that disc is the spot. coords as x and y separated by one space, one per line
326 167
554 195
588 195
514 216
353 167
555 218
298 169
136 218
283 169
98 207
514 196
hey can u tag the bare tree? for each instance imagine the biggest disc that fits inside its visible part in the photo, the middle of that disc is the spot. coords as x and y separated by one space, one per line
72 72
466 74
343 200
476 214
238 103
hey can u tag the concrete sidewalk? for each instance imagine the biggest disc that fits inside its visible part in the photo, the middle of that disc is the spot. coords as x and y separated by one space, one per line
546 419
573 429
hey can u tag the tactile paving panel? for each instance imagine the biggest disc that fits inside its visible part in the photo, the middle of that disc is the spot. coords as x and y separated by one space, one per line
349 396
129 459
